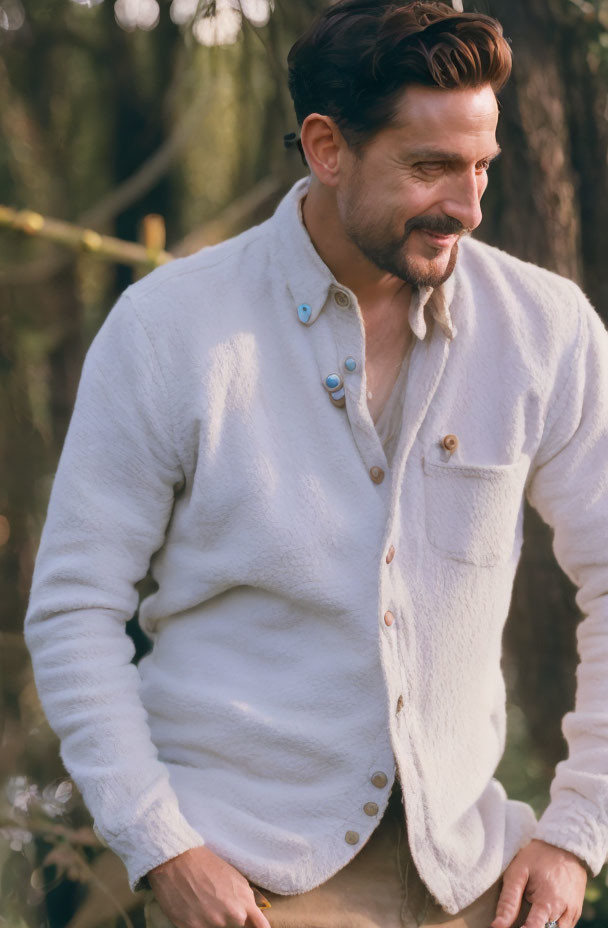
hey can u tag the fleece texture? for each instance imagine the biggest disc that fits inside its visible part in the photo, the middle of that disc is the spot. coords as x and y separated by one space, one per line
204 443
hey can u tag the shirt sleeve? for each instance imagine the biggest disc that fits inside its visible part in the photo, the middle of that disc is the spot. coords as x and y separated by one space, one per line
110 503
569 488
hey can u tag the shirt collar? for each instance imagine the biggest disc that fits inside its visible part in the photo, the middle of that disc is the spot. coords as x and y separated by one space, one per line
310 281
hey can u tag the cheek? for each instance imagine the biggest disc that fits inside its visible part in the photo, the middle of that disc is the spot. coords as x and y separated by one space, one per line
423 198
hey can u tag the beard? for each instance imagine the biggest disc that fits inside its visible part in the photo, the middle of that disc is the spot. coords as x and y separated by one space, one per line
391 255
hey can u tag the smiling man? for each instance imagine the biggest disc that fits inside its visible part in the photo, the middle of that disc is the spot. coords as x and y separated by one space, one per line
320 436
386 215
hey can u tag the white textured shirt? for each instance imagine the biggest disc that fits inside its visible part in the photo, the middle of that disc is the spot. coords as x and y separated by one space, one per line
204 442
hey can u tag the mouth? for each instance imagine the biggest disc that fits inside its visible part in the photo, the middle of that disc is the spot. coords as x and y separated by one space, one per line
439 241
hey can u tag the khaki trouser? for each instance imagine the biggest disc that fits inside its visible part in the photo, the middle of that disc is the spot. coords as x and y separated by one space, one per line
378 888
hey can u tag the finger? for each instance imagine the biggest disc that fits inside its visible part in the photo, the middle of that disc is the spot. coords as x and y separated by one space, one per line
511 895
539 915
568 918
578 914
257 919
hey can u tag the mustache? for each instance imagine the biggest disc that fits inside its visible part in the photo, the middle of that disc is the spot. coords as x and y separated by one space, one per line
440 225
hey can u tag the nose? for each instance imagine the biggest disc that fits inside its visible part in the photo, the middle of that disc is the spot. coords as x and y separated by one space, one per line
463 201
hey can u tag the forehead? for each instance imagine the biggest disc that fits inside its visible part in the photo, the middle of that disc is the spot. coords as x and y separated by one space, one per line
460 120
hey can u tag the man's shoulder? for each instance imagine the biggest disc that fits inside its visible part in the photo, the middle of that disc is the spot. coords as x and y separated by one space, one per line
202 275
544 305
190 305
486 263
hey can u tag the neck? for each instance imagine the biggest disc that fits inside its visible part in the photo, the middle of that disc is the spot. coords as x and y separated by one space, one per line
372 286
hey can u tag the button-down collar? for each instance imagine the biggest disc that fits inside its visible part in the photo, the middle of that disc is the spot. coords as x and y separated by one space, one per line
311 281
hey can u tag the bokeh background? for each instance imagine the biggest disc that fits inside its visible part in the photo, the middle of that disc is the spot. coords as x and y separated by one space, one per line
140 130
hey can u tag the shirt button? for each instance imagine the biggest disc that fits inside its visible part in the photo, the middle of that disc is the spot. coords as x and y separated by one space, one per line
342 298
350 364
379 779
304 312
390 554
351 837
400 704
450 443
389 618
333 382
370 808
377 474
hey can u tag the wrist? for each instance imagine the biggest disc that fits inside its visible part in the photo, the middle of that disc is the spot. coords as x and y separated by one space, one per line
570 854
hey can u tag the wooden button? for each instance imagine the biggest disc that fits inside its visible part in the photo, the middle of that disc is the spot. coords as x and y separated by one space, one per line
390 554
379 779
342 298
370 808
389 618
400 704
351 837
450 443
377 474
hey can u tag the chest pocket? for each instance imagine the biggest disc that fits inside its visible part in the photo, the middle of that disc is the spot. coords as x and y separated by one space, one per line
473 512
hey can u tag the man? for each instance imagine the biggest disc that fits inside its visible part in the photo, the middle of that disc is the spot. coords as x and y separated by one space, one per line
320 434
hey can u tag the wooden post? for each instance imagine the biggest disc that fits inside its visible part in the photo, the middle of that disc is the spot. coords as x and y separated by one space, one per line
77 238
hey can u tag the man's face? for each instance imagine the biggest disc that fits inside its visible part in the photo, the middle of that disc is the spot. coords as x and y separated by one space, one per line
415 189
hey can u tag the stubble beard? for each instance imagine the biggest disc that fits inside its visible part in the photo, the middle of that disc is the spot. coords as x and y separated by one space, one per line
391 256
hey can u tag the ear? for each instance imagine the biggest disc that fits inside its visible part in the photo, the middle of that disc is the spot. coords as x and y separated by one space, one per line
324 147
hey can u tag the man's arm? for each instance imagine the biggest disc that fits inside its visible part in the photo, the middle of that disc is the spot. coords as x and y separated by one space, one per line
110 503
569 488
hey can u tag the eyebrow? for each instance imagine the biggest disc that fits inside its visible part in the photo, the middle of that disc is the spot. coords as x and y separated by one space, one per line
436 154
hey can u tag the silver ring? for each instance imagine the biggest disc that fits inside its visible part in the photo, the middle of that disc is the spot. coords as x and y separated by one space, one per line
552 924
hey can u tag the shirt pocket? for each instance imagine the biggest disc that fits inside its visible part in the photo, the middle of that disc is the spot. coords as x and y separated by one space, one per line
472 511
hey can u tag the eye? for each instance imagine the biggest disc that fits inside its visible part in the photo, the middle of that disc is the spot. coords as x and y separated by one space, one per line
483 165
431 167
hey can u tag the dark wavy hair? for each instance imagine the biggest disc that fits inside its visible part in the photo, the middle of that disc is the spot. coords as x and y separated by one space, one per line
358 56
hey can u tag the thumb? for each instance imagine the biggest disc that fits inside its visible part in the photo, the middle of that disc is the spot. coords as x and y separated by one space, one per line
514 883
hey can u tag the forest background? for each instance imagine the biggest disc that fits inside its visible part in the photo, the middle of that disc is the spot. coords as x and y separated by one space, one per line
154 121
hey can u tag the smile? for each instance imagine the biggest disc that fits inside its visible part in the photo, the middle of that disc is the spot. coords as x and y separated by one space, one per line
440 241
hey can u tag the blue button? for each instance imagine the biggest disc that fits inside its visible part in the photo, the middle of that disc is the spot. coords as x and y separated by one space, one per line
350 364
333 381
304 312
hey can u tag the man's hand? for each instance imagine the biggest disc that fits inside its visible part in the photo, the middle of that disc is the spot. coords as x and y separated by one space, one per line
552 880
197 889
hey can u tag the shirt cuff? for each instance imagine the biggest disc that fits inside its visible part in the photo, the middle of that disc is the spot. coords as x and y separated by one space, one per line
574 824
158 835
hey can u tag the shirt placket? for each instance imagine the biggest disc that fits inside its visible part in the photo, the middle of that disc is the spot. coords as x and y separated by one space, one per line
345 322
397 624
428 358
